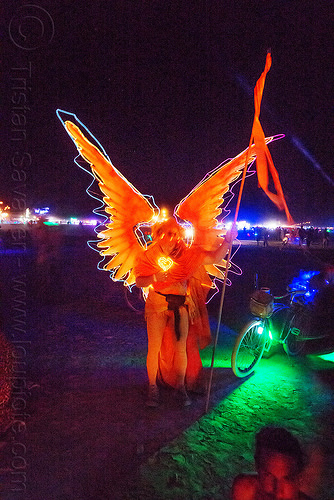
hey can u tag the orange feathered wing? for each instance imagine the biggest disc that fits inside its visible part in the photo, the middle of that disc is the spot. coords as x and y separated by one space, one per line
125 205
202 205
127 208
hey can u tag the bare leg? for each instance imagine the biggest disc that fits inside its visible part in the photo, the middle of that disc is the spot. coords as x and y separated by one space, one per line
180 360
156 324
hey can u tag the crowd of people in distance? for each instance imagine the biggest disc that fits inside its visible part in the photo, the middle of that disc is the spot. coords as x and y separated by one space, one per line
308 236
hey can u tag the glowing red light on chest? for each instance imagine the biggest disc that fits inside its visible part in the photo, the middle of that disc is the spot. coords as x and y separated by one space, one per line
165 263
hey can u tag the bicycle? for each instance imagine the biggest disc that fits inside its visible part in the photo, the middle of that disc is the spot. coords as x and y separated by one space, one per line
134 299
273 323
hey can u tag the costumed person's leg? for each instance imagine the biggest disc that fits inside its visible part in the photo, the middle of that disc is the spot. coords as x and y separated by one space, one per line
156 323
194 373
180 359
199 335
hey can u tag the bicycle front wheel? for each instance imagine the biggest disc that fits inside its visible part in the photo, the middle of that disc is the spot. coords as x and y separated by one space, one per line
298 332
248 348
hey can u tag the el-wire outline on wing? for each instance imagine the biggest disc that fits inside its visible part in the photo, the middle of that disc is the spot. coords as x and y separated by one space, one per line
126 207
201 206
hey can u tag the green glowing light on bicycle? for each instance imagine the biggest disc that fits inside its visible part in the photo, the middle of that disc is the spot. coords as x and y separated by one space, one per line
260 330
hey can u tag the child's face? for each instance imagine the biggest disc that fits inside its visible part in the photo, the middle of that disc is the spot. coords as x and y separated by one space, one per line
278 477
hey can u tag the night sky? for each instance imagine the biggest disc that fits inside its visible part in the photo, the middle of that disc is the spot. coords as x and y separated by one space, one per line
167 89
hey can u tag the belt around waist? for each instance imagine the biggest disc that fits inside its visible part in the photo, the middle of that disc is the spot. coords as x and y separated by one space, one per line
174 302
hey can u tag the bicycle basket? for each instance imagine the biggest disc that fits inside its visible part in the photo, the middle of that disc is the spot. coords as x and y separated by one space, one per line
261 304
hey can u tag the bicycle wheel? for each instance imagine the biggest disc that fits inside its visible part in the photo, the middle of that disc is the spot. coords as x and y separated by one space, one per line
134 299
248 348
298 332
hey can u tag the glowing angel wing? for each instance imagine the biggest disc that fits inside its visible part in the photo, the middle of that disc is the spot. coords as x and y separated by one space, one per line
202 205
125 206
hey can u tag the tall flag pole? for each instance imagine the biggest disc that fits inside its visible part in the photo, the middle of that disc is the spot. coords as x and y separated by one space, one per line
264 165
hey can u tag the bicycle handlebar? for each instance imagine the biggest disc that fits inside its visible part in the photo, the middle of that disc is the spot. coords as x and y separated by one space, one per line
292 293
298 292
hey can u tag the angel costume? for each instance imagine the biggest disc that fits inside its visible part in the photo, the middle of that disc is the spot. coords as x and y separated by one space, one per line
126 210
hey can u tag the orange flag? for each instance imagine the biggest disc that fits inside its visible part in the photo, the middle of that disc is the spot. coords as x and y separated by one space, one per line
264 162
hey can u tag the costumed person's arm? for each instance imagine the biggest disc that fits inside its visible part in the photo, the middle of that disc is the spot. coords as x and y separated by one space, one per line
147 271
216 256
145 281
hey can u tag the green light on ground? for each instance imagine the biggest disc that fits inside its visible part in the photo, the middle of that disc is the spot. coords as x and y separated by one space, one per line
321 361
222 357
269 370
201 462
327 357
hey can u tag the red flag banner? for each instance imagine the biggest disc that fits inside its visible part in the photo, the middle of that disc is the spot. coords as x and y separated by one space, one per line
264 162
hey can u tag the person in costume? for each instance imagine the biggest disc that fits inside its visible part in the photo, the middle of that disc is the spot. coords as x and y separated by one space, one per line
173 274
177 275
195 265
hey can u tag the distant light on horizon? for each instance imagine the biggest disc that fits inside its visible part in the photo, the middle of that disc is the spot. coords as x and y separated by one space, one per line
272 224
242 224
246 224
41 211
